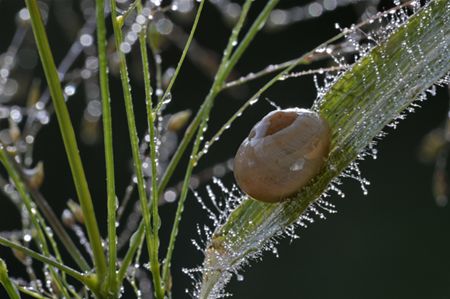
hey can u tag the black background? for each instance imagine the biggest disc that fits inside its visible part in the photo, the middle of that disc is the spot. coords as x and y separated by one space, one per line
392 243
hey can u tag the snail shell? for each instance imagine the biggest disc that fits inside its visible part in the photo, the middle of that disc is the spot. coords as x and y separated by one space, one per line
282 153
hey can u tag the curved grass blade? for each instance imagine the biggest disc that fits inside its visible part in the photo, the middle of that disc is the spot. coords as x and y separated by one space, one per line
361 102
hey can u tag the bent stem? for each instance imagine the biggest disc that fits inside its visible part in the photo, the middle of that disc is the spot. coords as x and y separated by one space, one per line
357 107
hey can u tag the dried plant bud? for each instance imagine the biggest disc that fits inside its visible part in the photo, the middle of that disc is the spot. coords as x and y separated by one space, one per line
14 131
90 131
282 153
431 145
440 187
35 175
178 120
76 211
34 93
67 218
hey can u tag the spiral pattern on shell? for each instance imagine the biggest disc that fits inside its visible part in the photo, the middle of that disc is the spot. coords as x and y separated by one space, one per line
282 153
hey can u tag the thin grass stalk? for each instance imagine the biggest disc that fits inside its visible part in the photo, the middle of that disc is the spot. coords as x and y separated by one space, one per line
68 135
156 221
219 79
158 70
257 25
8 284
108 140
189 134
136 240
286 69
183 54
47 260
36 219
224 70
31 294
203 114
65 288
167 260
154 262
276 68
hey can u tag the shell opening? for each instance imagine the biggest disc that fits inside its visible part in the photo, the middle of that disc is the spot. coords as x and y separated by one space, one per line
280 120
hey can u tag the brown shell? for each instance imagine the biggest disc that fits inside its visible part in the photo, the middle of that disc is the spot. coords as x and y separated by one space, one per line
282 153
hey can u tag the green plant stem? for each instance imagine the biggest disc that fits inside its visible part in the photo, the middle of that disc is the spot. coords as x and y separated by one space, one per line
36 218
180 208
275 68
68 135
136 240
31 293
107 135
215 89
184 53
258 24
203 118
166 266
224 69
10 287
154 262
47 260
156 221
61 282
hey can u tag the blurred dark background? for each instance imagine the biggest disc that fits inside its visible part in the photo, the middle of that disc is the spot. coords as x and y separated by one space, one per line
392 243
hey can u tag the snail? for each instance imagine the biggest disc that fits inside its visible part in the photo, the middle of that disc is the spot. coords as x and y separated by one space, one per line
282 153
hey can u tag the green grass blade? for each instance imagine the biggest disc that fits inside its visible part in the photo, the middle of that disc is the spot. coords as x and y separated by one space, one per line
68 135
358 106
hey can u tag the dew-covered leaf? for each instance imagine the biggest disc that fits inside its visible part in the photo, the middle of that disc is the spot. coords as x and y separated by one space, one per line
358 104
